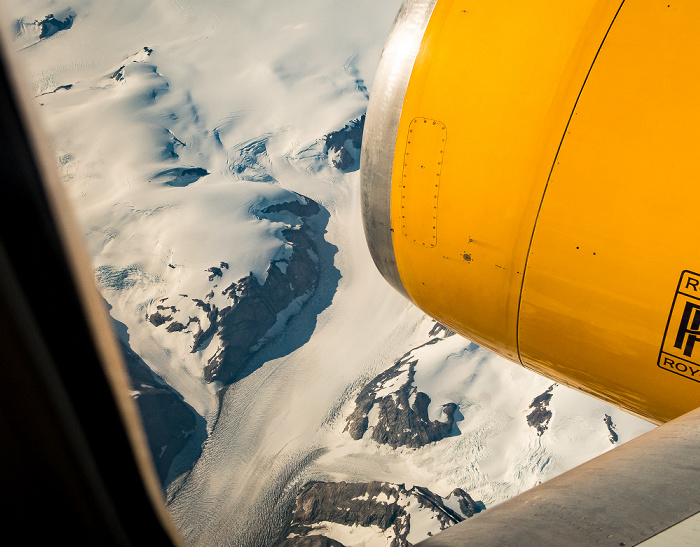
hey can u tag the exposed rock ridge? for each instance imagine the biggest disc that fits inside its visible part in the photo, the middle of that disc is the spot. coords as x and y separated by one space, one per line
399 422
50 25
540 415
385 506
439 329
254 307
611 429
336 144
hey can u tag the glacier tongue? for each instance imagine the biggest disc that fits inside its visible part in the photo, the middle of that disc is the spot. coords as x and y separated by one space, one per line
194 138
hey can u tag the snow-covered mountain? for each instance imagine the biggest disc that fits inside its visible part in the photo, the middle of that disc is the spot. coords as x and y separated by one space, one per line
211 149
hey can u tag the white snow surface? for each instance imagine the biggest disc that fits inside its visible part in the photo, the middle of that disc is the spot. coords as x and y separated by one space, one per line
223 76
422 524
355 536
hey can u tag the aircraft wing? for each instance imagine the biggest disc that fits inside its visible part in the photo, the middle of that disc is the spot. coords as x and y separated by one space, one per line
645 488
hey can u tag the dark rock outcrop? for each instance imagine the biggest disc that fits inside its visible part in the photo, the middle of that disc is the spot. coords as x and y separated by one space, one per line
343 160
118 74
336 143
439 329
215 272
399 422
467 505
383 505
156 319
611 429
50 25
540 415
175 326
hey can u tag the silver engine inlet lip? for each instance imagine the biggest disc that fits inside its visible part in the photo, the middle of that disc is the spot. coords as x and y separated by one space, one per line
381 127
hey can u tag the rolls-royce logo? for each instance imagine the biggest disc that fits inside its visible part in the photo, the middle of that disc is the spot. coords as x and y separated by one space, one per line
680 349
688 332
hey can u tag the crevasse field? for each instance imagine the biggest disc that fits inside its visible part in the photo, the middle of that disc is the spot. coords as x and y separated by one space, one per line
175 124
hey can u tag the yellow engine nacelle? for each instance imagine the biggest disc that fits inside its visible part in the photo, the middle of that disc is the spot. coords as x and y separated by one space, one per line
530 176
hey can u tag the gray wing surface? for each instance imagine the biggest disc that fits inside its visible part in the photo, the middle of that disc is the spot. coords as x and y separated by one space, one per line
640 490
